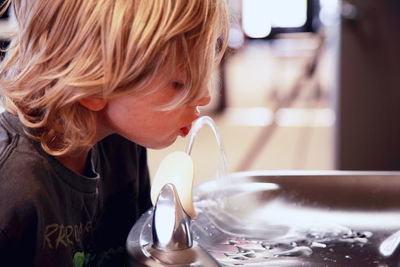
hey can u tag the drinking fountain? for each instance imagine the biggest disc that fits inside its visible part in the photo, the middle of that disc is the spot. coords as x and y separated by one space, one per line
267 218
272 218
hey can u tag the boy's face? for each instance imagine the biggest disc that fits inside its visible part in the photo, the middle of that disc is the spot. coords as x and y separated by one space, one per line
136 117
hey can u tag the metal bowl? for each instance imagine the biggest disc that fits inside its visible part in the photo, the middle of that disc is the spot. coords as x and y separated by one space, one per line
301 219
295 219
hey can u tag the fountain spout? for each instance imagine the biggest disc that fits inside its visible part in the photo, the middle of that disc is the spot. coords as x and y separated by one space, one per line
167 241
171 224
162 236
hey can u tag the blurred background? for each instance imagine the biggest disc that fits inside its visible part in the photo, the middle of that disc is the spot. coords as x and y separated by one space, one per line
304 85
274 105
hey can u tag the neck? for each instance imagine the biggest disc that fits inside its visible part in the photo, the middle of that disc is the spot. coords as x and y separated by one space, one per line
75 161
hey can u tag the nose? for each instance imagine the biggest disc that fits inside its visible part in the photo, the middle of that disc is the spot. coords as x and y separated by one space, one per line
204 100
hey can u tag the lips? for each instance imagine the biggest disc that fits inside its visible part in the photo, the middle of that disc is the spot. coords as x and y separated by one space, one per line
184 131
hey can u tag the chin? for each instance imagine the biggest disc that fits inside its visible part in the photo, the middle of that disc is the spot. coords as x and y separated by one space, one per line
152 143
161 145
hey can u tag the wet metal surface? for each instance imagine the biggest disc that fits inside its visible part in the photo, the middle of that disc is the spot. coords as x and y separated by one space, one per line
303 219
293 219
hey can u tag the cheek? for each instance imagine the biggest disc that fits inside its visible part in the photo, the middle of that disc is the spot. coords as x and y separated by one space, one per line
164 121
121 113
139 120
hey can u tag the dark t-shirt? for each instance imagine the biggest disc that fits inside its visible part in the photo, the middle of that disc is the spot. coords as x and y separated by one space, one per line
52 216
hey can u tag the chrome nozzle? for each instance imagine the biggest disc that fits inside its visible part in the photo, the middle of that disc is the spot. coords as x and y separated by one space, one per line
171 224
169 241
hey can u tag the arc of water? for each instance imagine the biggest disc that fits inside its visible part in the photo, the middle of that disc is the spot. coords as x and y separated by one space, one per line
198 124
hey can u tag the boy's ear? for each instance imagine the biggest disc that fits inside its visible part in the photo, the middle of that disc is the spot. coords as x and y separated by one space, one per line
93 103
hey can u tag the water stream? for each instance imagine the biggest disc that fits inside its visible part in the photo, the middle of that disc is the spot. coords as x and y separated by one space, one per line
223 167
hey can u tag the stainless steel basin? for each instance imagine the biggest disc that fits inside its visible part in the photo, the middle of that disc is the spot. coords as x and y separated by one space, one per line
298 219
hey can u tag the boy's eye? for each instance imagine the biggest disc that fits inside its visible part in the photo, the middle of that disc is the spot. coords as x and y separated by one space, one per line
178 85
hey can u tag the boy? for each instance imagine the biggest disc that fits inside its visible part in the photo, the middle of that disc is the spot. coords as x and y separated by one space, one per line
87 85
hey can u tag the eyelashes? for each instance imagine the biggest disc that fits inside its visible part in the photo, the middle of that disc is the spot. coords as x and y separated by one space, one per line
178 85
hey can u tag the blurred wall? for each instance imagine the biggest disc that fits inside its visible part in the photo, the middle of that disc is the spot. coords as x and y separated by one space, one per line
368 100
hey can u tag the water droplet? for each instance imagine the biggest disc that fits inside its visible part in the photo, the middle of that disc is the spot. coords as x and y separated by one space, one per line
314 235
297 251
318 245
367 234
240 249
237 257
232 242
267 245
250 254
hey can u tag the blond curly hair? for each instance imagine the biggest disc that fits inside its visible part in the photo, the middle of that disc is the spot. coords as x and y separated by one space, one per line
64 51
